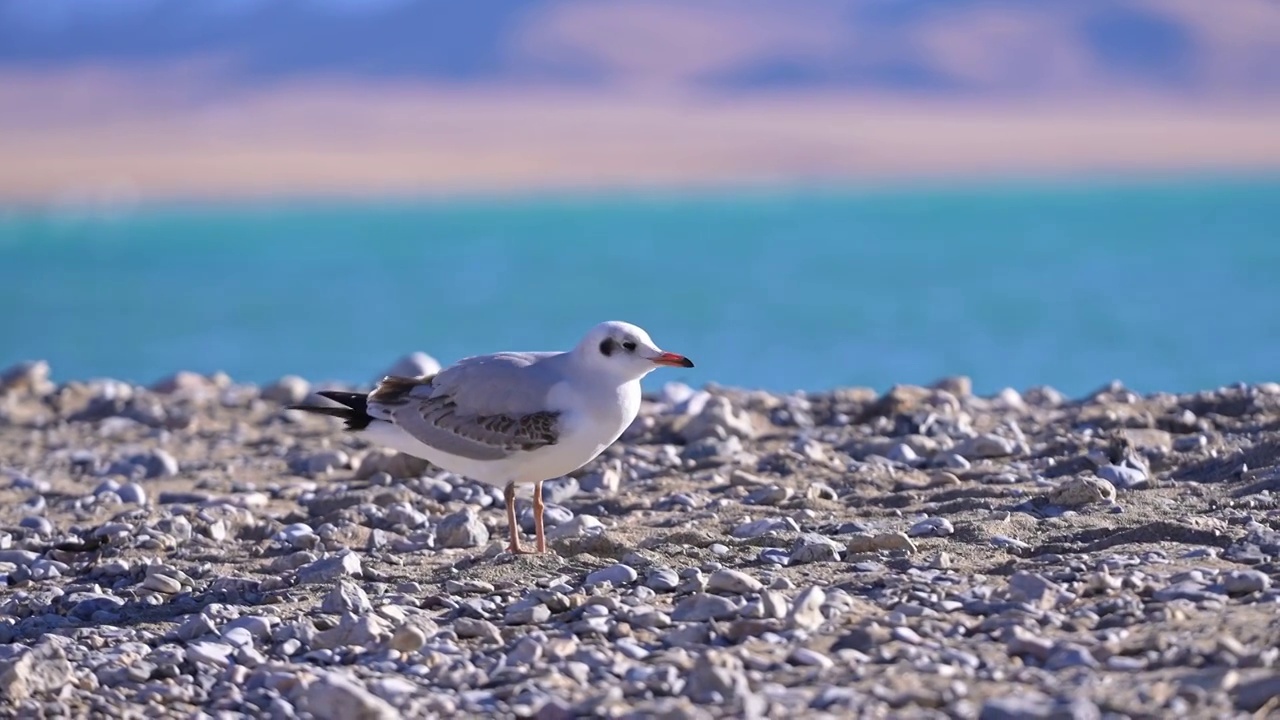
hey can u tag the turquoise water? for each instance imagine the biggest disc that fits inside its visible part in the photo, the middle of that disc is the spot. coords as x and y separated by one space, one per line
1166 286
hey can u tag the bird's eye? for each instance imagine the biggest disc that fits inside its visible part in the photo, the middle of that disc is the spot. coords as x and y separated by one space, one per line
607 346
629 346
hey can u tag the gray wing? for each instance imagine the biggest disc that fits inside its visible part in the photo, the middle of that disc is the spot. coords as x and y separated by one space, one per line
483 408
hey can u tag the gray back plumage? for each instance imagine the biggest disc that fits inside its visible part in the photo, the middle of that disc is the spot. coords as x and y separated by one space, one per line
484 407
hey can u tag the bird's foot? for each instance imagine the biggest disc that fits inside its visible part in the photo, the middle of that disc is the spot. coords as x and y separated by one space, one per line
521 550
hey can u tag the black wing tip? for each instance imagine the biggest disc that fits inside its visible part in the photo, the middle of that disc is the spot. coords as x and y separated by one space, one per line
355 410
353 400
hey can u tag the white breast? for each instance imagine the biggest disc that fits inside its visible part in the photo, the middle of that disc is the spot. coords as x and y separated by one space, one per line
593 420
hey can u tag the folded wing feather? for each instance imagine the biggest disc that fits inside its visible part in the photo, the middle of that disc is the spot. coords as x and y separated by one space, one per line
483 408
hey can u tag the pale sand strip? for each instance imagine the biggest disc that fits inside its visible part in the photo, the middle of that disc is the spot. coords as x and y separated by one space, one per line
100 140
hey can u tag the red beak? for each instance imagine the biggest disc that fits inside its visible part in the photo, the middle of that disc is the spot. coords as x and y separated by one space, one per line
673 360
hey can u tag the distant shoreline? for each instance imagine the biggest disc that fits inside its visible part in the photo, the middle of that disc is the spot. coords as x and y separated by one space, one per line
71 141
948 186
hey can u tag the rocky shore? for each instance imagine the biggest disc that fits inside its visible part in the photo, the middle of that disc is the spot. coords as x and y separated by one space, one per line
194 549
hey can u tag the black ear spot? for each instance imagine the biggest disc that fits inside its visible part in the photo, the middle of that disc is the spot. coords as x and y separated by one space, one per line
607 346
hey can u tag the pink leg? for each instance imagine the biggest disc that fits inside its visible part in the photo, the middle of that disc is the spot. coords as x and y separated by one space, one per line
538 508
509 494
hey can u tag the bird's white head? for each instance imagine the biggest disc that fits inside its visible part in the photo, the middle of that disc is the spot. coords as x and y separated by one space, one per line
625 351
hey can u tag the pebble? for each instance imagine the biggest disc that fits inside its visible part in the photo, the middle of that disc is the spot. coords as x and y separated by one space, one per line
414 365
821 491
299 536
557 492
931 527
1024 642
902 453
775 556
662 580
719 419
943 479
618 575
162 583
335 697
1004 541
346 597
1069 655
29 377
462 529
18 557
352 630
905 634
1036 706
530 615
408 638
182 498
810 657
1255 694
132 493
1125 663
700 607
732 582
765 526
553 516
325 462
34 671
212 653
864 543
1036 590
1082 490
767 604
259 626
607 480
806 613
157 464
330 569
1190 443
38 525
1244 582
1124 477
288 390
718 677
183 382
812 548
480 629
985 446
237 637
769 495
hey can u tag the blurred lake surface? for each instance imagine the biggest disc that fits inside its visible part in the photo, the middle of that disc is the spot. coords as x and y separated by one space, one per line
1170 285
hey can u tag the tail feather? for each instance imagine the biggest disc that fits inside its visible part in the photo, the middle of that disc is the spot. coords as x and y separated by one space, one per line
355 410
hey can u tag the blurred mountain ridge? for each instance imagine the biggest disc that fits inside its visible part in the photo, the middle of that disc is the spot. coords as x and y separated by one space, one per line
951 48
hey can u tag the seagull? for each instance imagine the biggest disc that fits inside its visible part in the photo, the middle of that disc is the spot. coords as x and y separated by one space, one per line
512 418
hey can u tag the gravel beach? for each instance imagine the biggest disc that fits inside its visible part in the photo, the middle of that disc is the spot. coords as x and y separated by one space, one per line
194 549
